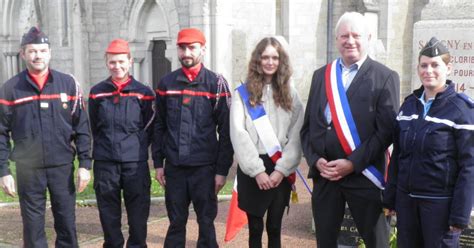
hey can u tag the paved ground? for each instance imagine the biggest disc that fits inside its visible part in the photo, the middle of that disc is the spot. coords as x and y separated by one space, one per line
296 231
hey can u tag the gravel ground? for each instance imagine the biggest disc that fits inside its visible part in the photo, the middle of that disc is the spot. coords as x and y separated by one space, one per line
296 231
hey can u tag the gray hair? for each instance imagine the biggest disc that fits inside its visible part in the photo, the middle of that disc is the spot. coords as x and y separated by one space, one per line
354 18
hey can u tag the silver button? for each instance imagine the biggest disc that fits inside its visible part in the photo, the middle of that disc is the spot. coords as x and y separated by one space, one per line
329 128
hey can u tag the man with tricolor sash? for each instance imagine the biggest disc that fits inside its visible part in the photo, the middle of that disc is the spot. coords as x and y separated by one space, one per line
42 111
348 125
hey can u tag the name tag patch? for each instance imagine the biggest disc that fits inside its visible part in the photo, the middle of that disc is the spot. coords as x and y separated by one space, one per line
44 105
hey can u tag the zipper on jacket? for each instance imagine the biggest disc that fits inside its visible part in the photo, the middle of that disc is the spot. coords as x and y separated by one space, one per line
411 164
446 180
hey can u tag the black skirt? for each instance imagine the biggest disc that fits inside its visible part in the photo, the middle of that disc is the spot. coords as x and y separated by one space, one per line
255 201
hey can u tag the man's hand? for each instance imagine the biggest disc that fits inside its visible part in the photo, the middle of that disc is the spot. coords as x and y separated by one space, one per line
219 183
263 181
326 171
276 177
160 176
340 168
83 178
8 185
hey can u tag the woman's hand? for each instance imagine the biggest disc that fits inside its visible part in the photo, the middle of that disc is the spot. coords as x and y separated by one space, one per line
263 181
276 177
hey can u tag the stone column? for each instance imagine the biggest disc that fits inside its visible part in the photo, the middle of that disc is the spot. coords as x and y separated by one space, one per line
221 38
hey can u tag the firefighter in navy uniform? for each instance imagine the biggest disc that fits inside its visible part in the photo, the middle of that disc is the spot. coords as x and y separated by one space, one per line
430 181
121 112
42 111
192 103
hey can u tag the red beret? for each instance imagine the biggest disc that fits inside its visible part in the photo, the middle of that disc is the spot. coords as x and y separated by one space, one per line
191 35
118 46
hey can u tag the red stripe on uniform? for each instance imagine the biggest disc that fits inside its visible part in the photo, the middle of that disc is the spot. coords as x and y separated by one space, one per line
137 95
34 98
191 93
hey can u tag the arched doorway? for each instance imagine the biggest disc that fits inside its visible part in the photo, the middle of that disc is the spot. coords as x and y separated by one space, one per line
152 26
159 63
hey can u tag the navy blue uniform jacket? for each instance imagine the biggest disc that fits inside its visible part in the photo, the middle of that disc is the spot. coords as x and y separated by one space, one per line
121 122
188 116
43 124
374 100
433 156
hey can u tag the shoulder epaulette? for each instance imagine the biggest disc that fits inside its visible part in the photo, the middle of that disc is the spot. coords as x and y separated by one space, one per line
467 99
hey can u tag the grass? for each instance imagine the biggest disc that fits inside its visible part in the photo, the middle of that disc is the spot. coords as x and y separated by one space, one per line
156 189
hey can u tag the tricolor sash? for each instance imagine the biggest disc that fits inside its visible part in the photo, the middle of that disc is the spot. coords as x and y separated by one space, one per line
264 129
343 121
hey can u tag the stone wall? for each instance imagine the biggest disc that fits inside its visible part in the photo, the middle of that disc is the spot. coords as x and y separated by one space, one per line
80 31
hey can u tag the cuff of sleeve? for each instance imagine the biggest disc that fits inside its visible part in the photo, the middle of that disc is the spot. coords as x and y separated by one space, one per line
357 168
283 170
86 164
460 226
158 164
5 172
312 160
254 173
222 171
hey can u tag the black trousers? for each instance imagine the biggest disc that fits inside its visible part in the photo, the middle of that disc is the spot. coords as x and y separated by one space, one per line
183 186
328 202
133 179
274 218
424 222
32 186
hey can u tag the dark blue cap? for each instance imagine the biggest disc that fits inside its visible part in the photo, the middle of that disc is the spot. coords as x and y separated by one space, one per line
434 48
34 36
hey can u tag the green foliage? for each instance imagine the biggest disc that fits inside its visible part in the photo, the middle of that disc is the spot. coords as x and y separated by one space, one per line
392 240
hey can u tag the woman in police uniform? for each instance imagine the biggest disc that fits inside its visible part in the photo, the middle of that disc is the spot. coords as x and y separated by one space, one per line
430 185
262 185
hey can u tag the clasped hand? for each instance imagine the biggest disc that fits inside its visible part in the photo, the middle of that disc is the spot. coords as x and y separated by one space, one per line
266 182
335 169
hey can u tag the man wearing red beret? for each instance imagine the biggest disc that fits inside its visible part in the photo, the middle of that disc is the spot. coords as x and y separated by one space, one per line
192 103
41 109
121 112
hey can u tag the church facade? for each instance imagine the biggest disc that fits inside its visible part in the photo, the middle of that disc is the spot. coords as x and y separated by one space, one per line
79 31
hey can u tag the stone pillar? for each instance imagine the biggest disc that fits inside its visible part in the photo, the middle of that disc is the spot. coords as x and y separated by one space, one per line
11 62
9 65
220 50
137 68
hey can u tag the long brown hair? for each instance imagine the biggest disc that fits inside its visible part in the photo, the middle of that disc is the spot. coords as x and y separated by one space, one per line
281 78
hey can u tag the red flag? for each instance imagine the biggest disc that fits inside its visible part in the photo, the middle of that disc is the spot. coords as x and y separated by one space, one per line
236 218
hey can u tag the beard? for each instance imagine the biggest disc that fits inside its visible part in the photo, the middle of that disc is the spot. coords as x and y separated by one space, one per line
189 62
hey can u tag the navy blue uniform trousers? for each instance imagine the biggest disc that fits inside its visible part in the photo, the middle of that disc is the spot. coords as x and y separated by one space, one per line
184 185
423 222
110 178
32 186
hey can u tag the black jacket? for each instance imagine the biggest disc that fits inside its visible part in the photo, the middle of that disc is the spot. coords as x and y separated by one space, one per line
374 100
43 124
121 122
433 156
188 116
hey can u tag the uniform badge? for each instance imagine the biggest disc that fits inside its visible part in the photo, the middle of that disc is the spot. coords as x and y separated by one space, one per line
64 105
63 97
186 100
44 105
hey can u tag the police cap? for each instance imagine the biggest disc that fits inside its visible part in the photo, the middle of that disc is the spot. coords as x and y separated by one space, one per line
34 36
434 48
